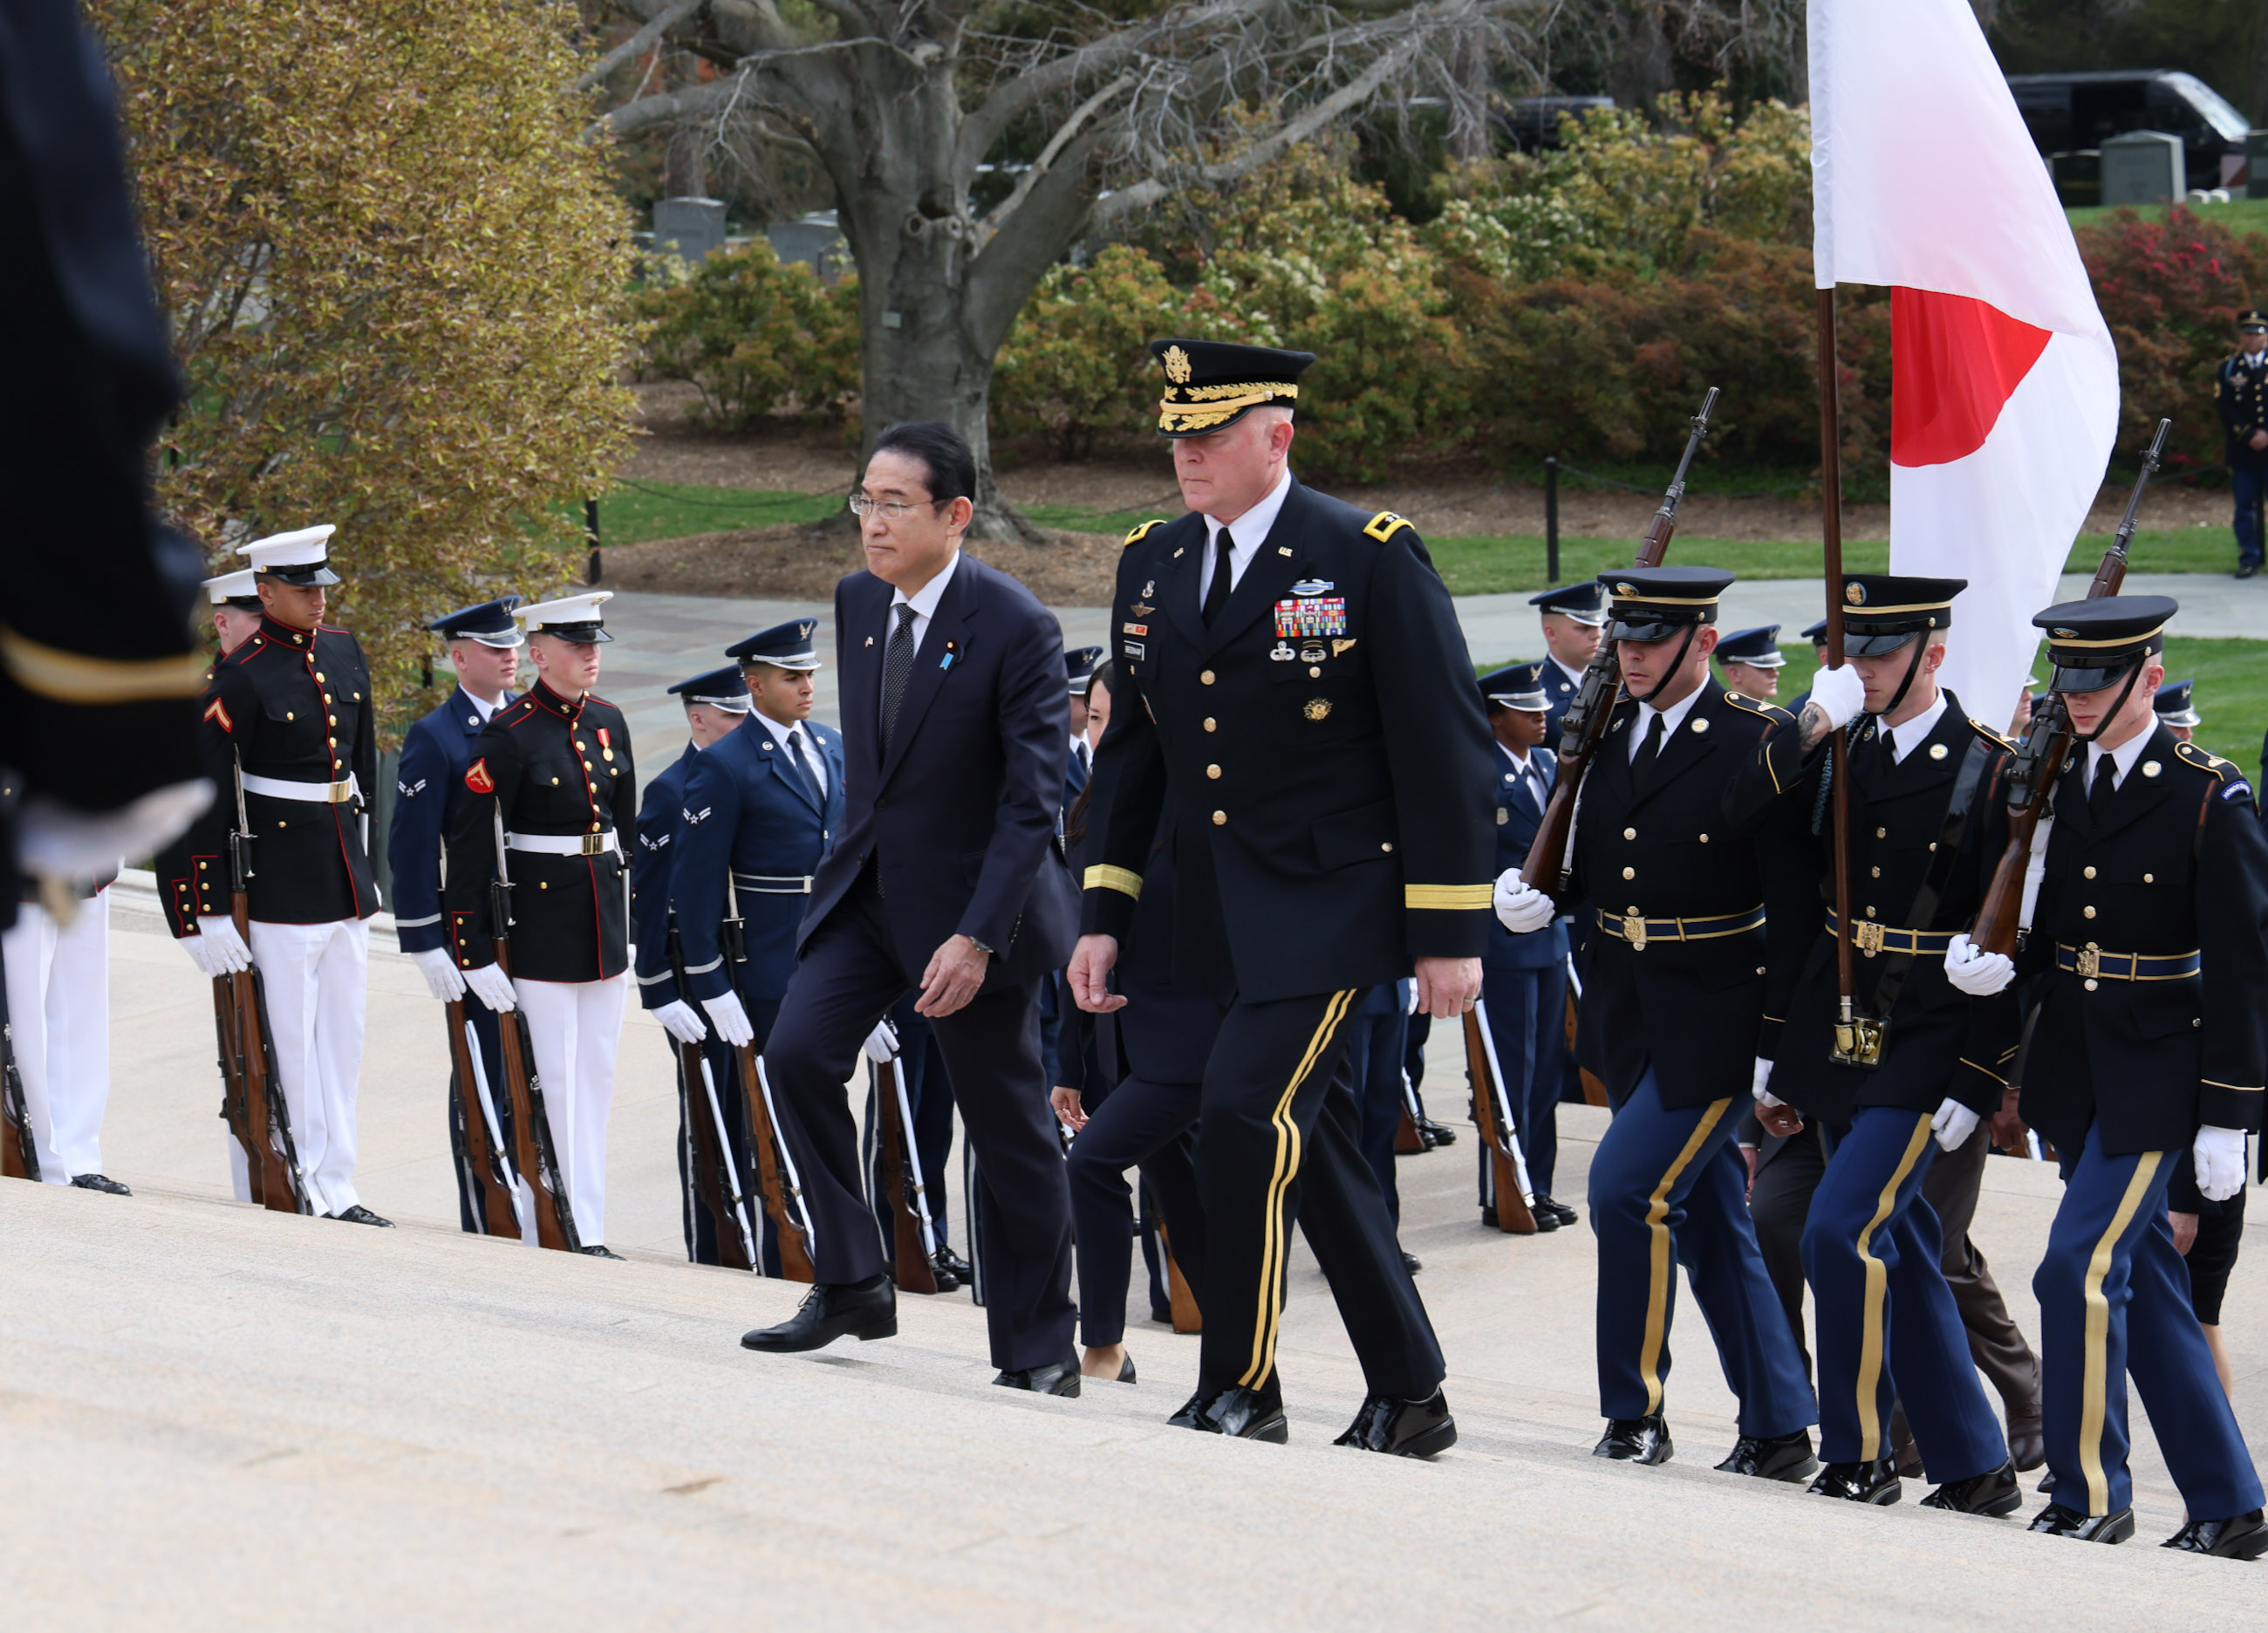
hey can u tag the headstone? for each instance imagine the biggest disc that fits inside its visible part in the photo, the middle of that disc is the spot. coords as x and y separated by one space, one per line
816 240
2255 164
2143 167
692 228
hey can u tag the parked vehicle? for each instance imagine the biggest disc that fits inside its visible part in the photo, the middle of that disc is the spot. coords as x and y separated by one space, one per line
2069 114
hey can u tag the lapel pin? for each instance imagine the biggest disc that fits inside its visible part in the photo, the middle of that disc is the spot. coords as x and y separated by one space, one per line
870 640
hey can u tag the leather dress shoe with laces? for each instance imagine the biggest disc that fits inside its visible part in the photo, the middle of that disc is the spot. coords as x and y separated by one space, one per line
1636 1440
1556 1209
1240 1413
1056 1378
2244 1537
599 1250
860 1310
360 1215
2028 1443
2058 1522
946 1260
1402 1428
1876 1481
1994 1492
101 1182
1434 1134
1772 1457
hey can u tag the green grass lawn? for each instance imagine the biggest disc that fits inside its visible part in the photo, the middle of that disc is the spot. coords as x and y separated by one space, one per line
2239 215
633 515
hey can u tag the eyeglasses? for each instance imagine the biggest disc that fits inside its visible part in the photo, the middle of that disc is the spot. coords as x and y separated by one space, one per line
888 510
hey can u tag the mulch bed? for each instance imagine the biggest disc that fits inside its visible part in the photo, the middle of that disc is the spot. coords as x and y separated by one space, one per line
795 563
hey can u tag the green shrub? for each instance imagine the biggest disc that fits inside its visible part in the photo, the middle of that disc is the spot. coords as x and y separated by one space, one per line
1075 364
754 336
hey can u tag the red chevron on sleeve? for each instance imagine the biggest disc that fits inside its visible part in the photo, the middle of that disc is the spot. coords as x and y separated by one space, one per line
218 710
478 779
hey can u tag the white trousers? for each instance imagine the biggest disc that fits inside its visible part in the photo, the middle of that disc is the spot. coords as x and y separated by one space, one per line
317 981
577 1027
59 1013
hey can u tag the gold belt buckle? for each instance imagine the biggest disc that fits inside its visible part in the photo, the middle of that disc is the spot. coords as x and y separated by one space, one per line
1867 937
2090 961
594 843
1634 930
340 792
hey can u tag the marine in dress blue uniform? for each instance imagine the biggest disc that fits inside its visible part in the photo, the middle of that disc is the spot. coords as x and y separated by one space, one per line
2240 397
435 753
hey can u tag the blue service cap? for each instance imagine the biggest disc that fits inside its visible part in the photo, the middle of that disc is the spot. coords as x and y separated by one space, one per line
782 646
1816 634
1585 602
1759 648
2175 706
720 689
1516 686
489 622
1078 665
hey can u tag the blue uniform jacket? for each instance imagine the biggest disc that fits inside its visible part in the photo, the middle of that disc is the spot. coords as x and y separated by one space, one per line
661 817
435 753
1519 813
749 809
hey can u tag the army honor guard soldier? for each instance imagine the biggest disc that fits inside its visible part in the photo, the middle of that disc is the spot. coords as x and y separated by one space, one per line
287 719
2240 396
551 782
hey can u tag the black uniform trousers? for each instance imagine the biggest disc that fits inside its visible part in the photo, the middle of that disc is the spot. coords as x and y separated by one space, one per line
490 1050
1376 1035
1779 1201
1145 1123
848 978
723 1070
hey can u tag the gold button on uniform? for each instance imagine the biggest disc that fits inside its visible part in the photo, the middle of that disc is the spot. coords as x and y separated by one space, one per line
2090 986
2087 912
2087 872
1878 872
1210 724
1212 771
1204 677
2149 878
1870 912
1221 818
1630 873
1630 833
1314 674
1387 846
1881 833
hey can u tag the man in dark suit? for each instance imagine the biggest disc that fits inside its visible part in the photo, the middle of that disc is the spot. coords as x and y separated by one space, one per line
944 874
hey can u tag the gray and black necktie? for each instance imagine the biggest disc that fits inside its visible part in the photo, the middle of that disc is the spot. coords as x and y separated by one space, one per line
897 665
806 760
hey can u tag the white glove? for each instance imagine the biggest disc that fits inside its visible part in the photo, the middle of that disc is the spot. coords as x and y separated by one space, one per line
2219 1156
1840 693
1410 1007
732 1024
441 972
1954 1124
882 1042
1976 972
224 950
199 955
1764 1097
1521 906
681 1022
492 987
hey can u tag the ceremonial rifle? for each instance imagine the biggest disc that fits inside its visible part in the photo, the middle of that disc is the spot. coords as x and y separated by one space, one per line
19 1157
914 1260
498 1196
262 1122
1589 716
1492 1111
537 1157
2047 743
709 1156
778 1188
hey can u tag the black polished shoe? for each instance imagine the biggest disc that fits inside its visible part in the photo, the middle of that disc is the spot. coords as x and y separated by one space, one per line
2244 1537
2047 1483
1126 1369
1772 1457
599 1250
946 1281
2247 571
1488 1215
1056 1378
1412 1263
1190 1413
860 1310
1244 1413
1545 1219
1556 1209
2057 1521
1994 1493
1636 1440
1402 1428
2028 1446
961 1270
1859 1483
101 1182
1434 1133
360 1215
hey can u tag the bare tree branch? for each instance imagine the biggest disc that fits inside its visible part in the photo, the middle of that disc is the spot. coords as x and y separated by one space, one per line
1040 166
638 44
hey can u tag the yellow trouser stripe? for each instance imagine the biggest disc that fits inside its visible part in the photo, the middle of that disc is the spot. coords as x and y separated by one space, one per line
1271 1310
2094 1386
1657 1288
1870 1445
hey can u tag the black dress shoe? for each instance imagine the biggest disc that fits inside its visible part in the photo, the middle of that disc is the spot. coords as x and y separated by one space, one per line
1545 1219
961 1270
1556 1209
1874 1482
1434 1133
1162 1313
1056 1378
2047 1483
2057 1521
360 1215
101 1182
2244 1537
1126 1369
1488 1215
860 1310
1402 1428
2247 571
1242 1413
2028 1446
1772 1457
945 1280
599 1250
1190 1413
1635 1440
1994 1493
1412 1263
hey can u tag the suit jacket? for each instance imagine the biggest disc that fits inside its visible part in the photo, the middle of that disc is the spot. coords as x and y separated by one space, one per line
435 753
1518 814
958 818
752 814
661 811
2177 865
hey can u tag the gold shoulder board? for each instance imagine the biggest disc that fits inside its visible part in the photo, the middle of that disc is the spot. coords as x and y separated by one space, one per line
1143 531
1989 734
1384 526
2205 760
1757 705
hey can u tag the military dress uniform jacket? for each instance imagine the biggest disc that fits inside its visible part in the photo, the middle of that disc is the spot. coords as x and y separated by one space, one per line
1518 814
1559 692
435 753
2240 396
1322 748
1682 846
1939 1043
287 707
559 771
2178 866
751 812
661 813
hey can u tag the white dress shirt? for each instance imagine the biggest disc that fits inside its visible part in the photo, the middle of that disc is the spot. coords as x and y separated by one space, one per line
1574 676
486 709
812 760
2122 758
1671 717
1907 738
924 601
1527 774
1245 536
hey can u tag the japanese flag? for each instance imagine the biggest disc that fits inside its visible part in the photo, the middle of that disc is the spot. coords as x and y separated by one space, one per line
2004 384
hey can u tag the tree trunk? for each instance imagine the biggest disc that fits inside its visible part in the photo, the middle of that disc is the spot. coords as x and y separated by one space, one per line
1642 68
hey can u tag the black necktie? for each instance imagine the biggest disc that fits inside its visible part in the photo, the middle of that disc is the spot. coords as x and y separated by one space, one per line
806 760
897 663
1086 763
1216 592
1889 752
1648 752
2098 798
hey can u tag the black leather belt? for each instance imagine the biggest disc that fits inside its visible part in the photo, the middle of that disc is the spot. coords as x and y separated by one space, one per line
1638 930
1872 939
2092 963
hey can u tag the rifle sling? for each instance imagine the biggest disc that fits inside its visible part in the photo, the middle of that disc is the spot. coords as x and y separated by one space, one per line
1940 874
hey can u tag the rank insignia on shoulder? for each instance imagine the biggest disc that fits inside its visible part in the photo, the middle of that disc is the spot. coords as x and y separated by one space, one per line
1987 732
1384 526
477 778
1138 535
218 710
2205 760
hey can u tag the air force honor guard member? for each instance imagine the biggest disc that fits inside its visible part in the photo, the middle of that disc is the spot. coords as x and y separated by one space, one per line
1293 682
552 775
1685 983
484 645
289 715
2149 1042
1751 661
1575 617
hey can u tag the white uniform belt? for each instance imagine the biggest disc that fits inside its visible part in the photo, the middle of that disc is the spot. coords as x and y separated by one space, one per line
565 844
338 793
773 884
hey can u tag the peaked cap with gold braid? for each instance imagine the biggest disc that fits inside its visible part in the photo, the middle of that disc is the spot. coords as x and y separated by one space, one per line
1210 384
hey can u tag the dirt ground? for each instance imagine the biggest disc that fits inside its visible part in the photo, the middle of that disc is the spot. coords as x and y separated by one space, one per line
800 564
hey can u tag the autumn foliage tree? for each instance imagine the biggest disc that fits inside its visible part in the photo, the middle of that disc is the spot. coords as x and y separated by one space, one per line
394 272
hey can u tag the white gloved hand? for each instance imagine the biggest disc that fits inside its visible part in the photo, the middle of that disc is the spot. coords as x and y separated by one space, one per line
1520 907
680 1020
1978 973
1763 1097
199 954
1410 1007
492 987
882 1042
440 972
2219 1156
733 1023
224 948
1840 693
1954 1124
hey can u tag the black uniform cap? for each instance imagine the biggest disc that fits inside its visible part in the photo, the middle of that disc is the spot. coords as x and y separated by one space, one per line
1585 602
1655 603
2175 706
1881 612
491 623
2252 320
1210 384
784 646
720 689
2092 643
1078 665
1759 648
1816 634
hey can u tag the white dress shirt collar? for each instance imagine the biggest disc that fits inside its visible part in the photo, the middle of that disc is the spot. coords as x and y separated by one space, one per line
810 759
1907 738
1573 675
2122 758
1246 535
485 710
924 601
1671 717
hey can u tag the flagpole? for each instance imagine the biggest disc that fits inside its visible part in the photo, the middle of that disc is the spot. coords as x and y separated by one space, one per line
1830 521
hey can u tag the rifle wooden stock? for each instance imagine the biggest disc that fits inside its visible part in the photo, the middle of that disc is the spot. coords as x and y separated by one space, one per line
234 1109
1512 1212
489 1177
794 1246
275 1182
911 1267
1407 1141
20 1159
714 1186
531 1135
